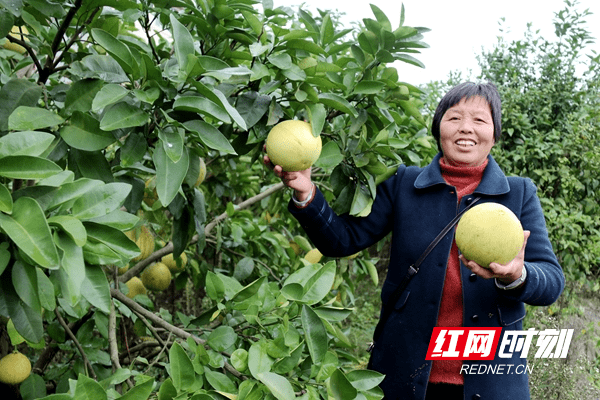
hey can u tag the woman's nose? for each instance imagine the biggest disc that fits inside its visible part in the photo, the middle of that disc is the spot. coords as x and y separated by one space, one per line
466 126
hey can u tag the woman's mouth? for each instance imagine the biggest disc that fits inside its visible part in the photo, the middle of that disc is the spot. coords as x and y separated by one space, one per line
465 143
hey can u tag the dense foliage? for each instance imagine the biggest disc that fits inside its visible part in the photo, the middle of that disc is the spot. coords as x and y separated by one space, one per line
107 112
551 113
550 116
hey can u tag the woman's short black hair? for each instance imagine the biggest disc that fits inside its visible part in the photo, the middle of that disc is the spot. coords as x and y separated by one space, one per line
466 90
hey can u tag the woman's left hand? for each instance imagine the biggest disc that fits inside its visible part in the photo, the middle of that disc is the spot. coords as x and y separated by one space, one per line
507 273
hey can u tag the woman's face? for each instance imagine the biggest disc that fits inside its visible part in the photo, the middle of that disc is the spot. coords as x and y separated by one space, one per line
467 132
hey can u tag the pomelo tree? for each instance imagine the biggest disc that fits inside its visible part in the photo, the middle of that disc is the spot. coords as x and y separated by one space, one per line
106 122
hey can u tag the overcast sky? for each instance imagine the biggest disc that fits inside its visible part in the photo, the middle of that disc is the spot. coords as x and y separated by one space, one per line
459 28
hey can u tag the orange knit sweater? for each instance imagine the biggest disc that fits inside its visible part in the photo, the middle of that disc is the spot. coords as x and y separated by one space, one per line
465 180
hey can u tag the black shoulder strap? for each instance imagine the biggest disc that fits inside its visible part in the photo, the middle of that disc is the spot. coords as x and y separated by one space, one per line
414 268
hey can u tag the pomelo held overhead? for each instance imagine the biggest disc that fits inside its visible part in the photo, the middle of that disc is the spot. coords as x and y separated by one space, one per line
292 145
489 232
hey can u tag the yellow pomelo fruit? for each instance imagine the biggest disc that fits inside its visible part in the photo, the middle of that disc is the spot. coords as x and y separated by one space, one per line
135 286
295 247
150 194
14 368
292 145
201 173
122 270
156 277
313 256
144 239
489 232
16 33
171 263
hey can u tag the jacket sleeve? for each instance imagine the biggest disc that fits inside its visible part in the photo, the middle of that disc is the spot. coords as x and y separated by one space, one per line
342 235
545 279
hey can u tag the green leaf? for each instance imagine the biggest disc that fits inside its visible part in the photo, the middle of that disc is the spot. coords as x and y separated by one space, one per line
141 391
24 279
6 201
317 115
210 136
89 389
252 107
319 285
306 45
97 253
95 288
292 291
169 174
365 379
368 42
26 320
117 219
28 228
330 156
15 93
172 140
182 370
28 167
117 49
113 238
340 387
109 94
411 109
25 118
84 133
361 201
338 102
369 87
222 338
381 17
45 291
215 289
259 360
4 256
134 149
123 115
316 334
279 386
203 106
100 200
334 314
183 42
34 387
81 95
167 391
72 273
103 67
235 115
71 190
71 226
25 143
219 381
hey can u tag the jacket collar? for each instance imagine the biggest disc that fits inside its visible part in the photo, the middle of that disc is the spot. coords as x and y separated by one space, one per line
493 182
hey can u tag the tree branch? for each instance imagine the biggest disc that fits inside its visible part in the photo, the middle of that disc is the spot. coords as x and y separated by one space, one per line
157 255
86 362
112 338
133 306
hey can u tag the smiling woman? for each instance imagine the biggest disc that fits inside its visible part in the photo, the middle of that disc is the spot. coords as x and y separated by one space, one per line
467 123
450 291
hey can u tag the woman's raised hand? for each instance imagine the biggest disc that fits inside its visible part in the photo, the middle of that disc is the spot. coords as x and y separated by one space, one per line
300 181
